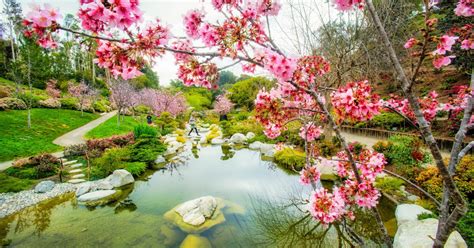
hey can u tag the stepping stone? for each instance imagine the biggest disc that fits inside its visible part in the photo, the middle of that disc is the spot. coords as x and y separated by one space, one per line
75 171
78 176
69 162
74 181
76 165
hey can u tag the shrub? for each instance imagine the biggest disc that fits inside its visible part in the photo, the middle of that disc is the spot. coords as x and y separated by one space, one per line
75 150
50 103
404 152
142 109
31 98
390 185
102 105
181 139
166 123
290 158
146 150
136 168
387 120
41 166
22 173
11 103
431 181
111 160
114 141
12 184
424 216
144 131
382 146
69 103
465 225
5 91
241 115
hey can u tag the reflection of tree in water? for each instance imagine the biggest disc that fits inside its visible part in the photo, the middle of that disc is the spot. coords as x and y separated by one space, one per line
227 152
288 224
38 215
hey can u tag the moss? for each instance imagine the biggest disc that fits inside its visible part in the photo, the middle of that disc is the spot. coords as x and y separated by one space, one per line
389 185
290 158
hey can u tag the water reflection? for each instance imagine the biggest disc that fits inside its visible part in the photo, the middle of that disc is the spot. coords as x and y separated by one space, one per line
227 152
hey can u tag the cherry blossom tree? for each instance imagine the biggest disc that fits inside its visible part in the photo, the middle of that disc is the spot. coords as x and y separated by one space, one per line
52 90
83 93
162 101
123 96
244 35
223 105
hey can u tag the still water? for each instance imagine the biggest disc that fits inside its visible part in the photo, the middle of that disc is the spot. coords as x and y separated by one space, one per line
240 177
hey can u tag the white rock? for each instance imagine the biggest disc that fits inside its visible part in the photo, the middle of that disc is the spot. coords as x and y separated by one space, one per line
203 140
409 212
238 138
120 178
96 195
413 198
217 141
83 188
418 233
44 186
250 135
255 145
267 150
169 140
195 212
103 184
160 159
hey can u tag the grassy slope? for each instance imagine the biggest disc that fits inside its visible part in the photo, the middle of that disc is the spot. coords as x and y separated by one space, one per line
16 140
110 127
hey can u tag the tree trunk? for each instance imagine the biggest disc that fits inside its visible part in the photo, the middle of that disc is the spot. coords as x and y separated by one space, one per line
29 117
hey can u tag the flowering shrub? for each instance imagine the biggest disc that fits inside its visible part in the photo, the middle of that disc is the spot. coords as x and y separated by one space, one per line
114 141
223 105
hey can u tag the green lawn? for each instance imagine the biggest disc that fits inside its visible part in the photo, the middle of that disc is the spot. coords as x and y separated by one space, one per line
110 127
17 140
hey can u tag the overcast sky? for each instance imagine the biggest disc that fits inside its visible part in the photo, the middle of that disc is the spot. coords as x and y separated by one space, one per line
171 12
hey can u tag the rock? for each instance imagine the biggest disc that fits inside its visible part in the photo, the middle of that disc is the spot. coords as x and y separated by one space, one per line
103 184
83 188
44 186
96 195
217 141
238 138
418 233
408 212
267 150
327 172
160 159
413 198
203 140
171 235
203 206
255 145
250 135
195 241
120 178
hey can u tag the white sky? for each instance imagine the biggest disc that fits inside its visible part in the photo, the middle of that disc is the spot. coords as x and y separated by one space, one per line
171 12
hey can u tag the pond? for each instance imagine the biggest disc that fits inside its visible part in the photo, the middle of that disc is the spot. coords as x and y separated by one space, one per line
237 176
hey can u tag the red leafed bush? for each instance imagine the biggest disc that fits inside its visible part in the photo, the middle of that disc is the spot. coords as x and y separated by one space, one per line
114 141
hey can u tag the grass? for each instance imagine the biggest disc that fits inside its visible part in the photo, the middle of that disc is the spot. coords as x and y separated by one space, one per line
13 184
17 140
110 127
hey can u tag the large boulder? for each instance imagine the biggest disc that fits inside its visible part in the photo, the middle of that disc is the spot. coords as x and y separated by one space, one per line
83 188
195 241
96 195
409 212
120 178
255 145
238 138
250 135
267 150
217 141
419 233
44 186
160 159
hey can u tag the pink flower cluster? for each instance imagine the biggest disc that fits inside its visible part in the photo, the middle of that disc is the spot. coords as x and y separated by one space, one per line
345 5
192 72
355 101
310 132
309 174
280 66
308 68
96 15
163 101
410 43
192 21
223 105
327 207
52 90
219 4
42 21
429 106
464 8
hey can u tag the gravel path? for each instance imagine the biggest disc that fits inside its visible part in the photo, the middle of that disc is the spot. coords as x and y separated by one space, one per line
76 136
11 203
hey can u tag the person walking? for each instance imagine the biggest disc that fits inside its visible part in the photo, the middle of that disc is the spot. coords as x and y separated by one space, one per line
192 123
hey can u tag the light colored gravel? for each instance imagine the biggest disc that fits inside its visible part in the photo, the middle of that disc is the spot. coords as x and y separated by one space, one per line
11 203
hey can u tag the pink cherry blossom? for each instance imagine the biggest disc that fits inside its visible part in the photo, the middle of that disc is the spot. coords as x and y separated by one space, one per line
192 21
345 5
223 105
310 132
410 43
445 44
280 66
309 174
272 131
467 44
464 8
441 61
327 207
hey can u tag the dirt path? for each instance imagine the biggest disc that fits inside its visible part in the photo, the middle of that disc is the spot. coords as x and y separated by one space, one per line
73 137
76 136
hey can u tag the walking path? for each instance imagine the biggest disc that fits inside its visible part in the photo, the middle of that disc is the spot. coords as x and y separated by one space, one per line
73 137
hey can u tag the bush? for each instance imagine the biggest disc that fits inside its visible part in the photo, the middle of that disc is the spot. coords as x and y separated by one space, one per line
465 225
146 150
404 152
69 103
102 105
382 146
136 168
166 123
12 184
75 150
115 141
29 97
11 103
387 120
142 109
111 160
389 185
144 131
50 103
41 166
5 91
290 158
430 180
